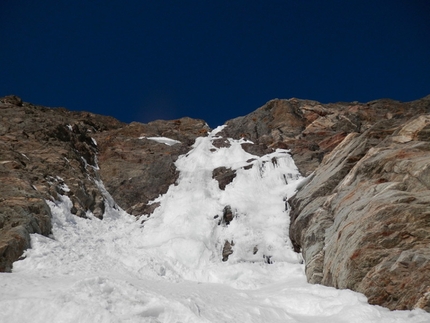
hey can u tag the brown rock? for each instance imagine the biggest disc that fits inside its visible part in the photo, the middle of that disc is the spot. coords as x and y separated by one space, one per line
224 176
221 143
11 100
227 215
361 220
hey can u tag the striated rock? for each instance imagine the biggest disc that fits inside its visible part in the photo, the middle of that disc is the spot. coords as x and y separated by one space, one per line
417 129
363 219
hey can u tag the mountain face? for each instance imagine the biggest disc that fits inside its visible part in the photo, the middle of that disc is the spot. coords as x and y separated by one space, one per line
361 218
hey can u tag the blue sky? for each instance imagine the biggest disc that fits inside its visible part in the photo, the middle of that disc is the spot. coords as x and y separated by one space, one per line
214 60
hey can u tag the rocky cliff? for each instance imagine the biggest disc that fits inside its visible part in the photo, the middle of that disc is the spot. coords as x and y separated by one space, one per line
46 152
361 219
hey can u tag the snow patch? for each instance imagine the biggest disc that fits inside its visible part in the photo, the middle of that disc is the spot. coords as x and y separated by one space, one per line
163 140
24 155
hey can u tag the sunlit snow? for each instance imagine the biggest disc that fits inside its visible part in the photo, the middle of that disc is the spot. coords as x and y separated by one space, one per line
162 140
168 267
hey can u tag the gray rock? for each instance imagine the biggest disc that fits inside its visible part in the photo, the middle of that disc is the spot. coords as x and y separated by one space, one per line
311 130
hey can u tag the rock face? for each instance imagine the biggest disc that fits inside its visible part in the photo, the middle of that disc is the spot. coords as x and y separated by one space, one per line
361 218
363 221
45 153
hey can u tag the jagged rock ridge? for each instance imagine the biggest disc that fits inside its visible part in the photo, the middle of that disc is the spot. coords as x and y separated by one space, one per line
361 220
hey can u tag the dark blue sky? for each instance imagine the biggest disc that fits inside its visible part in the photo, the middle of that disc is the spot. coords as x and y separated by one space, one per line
141 60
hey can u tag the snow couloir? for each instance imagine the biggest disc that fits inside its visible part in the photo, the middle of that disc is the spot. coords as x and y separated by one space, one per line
169 267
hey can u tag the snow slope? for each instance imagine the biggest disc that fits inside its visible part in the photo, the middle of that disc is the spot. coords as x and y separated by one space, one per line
168 267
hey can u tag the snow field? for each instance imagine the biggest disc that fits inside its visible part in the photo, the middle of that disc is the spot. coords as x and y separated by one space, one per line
168 267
